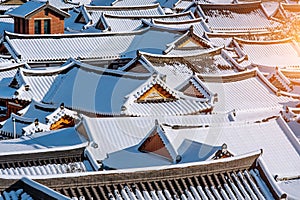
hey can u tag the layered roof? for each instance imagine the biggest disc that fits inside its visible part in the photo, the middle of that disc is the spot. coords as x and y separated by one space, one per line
246 92
57 48
211 61
197 26
120 23
275 53
156 98
189 43
180 141
286 11
26 188
91 14
107 94
231 178
40 142
242 17
8 70
126 132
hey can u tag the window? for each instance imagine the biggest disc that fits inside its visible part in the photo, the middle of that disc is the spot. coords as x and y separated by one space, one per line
37 26
47 26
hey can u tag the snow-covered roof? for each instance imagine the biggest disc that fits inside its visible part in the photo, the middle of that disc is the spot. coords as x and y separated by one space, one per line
59 113
189 44
31 7
207 62
66 4
62 139
198 25
35 83
112 134
242 17
200 143
183 4
123 2
91 14
275 53
4 7
133 2
6 24
15 124
286 11
35 127
107 94
120 23
245 92
55 48
8 68
175 69
103 92
37 110
157 104
36 117
238 177
49 169
26 188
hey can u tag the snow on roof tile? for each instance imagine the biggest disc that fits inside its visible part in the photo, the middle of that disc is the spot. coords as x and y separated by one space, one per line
8 68
236 17
130 23
133 2
95 12
245 92
26 9
37 110
205 62
277 53
6 24
35 84
60 112
237 137
66 138
127 131
63 4
89 46
179 104
35 127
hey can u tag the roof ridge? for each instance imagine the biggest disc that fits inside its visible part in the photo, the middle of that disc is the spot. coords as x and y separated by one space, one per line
138 7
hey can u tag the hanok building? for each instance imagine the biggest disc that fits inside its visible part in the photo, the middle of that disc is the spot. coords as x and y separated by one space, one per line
7 71
239 177
286 12
144 94
27 188
38 18
67 5
90 15
57 152
178 68
289 14
49 49
37 117
267 55
248 93
193 134
242 17
109 22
